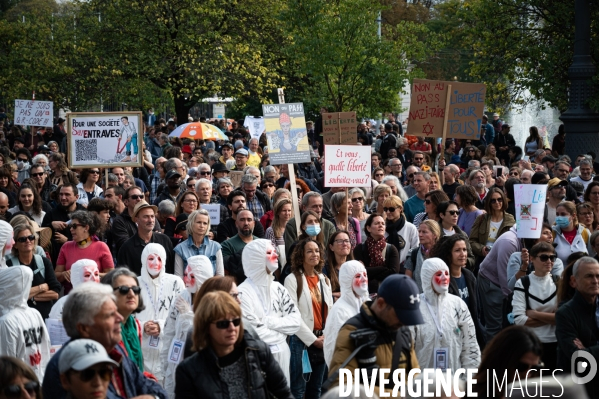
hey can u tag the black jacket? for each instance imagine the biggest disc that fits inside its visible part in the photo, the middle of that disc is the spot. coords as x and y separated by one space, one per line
264 201
199 377
130 253
472 304
576 319
376 275
123 228
227 229
389 142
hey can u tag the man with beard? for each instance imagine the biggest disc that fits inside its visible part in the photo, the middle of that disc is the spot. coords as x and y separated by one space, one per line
556 193
477 180
173 187
57 218
245 227
236 201
144 215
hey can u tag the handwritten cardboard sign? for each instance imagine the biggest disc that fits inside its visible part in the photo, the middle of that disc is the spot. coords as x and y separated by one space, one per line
428 109
34 113
347 128
235 176
530 208
330 128
347 166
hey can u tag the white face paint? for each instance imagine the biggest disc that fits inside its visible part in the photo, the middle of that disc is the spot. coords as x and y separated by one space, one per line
272 259
441 281
189 280
154 264
360 283
91 273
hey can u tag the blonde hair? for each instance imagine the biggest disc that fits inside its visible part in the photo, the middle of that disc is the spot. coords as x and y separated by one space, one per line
278 227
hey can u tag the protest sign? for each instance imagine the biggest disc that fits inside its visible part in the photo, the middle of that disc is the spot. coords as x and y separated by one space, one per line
34 113
430 108
530 208
235 176
330 128
102 139
286 133
347 128
347 166
213 211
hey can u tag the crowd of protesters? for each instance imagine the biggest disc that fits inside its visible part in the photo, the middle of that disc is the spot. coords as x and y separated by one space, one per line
160 302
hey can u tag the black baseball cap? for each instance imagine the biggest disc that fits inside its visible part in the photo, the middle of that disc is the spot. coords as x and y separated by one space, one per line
401 292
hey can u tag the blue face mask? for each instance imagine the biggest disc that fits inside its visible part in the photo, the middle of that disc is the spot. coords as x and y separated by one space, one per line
562 221
313 230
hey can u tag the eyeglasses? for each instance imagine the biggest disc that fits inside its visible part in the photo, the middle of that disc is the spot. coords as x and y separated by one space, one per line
236 295
191 201
15 391
390 210
224 324
545 258
585 214
342 241
94 172
124 289
496 200
453 213
205 173
136 196
73 226
89 374
37 174
24 239
513 173
358 199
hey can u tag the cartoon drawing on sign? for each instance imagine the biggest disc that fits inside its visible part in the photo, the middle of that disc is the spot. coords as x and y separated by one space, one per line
285 140
129 132
525 211
428 129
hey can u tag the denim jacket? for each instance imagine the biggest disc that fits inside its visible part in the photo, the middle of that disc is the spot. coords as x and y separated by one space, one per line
209 248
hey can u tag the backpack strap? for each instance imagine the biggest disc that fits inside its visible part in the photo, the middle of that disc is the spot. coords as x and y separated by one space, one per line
39 263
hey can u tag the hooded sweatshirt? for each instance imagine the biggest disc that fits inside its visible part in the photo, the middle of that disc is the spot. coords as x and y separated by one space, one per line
450 313
265 303
6 234
77 278
158 295
346 307
23 333
177 324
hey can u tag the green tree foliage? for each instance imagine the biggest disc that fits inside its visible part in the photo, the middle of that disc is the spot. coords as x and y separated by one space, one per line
334 49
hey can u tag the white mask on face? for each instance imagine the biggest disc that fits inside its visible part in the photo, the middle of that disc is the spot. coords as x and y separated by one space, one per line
272 263
154 265
360 284
441 282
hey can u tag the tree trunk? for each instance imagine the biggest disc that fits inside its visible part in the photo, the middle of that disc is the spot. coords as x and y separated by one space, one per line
182 107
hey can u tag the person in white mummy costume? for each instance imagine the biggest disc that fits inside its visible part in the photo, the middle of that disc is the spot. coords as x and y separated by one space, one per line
82 271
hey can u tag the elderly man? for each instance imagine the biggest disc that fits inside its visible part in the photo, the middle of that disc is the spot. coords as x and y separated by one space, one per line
257 201
526 176
91 312
254 158
396 188
477 180
4 205
409 188
576 325
586 173
396 168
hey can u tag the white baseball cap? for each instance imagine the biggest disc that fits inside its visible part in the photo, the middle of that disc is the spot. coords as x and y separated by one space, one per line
81 354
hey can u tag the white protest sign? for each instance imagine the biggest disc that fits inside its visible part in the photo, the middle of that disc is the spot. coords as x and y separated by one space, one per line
255 125
34 113
530 208
347 166
214 211
56 331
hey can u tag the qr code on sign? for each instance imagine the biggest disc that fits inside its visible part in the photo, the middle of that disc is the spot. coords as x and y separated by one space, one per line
86 150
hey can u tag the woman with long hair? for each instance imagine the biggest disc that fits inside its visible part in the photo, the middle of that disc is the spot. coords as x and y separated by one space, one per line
431 200
380 258
569 235
434 183
591 197
280 193
228 359
586 215
468 155
533 142
466 198
283 211
60 172
88 185
358 206
341 208
490 226
491 155
17 380
29 201
338 252
310 289
187 203
429 233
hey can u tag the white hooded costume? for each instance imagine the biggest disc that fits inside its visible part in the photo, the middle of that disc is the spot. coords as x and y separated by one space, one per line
158 294
180 319
451 314
78 271
346 307
6 235
23 333
265 304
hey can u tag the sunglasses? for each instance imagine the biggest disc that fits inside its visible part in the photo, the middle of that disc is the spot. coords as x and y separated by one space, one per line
73 226
94 172
411 175
545 258
378 175
496 200
89 374
24 239
136 196
205 173
23 159
224 324
389 210
192 186
453 213
124 289
268 185
514 174
37 174
15 391
358 199
427 201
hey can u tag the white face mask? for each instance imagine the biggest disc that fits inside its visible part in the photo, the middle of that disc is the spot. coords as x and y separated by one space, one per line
154 265
360 284
441 282
272 263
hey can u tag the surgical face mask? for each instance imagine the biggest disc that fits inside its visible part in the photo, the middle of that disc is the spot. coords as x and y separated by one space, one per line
313 230
562 221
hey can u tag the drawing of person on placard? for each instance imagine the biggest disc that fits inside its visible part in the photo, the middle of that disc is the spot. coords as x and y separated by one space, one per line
129 132
286 140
